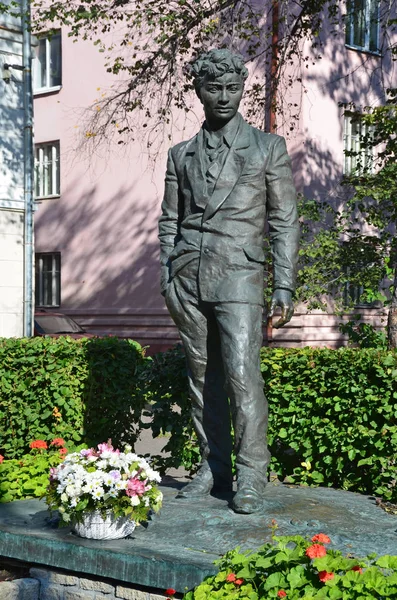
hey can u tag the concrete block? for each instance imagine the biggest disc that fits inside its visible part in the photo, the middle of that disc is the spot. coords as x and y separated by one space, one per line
156 597
105 596
39 573
131 594
97 586
62 579
9 590
79 595
28 589
51 592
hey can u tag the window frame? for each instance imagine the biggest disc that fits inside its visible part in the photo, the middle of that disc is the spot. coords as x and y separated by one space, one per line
351 15
40 164
350 140
47 88
40 292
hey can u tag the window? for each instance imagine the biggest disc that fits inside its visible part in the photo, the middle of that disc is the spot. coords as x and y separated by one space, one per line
357 158
47 64
362 25
47 170
48 279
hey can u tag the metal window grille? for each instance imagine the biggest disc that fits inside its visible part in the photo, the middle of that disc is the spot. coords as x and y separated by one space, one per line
362 25
357 158
47 63
48 279
47 170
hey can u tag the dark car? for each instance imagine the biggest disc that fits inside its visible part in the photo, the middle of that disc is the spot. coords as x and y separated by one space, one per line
56 324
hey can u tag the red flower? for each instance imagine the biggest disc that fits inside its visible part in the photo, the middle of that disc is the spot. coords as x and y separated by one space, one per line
281 594
1 458
357 568
39 444
239 581
170 592
325 576
231 577
63 451
316 551
59 442
322 538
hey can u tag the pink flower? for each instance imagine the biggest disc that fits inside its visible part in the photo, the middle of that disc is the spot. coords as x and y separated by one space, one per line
239 581
53 473
59 442
322 538
63 451
38 444
105 447
316 551
1 458
135 487
281 594
231 577
325 576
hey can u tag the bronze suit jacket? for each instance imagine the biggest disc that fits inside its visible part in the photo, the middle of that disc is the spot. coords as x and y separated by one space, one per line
224 233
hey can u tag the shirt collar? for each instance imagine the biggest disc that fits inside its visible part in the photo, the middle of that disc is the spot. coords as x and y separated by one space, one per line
227 133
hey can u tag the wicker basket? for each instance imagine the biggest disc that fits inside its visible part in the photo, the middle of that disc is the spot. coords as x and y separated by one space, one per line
95 527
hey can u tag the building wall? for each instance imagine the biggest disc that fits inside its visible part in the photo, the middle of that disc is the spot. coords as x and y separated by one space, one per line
105 222
11 182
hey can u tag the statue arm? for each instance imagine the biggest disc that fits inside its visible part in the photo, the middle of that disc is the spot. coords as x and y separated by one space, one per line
283 229
169 220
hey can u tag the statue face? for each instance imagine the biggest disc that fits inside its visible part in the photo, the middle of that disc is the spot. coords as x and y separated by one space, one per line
221 98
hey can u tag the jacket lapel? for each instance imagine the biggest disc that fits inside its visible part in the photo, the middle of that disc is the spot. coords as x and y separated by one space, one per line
194 170
231 170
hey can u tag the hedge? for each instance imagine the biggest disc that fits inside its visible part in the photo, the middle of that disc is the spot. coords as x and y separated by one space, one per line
81 390
332 413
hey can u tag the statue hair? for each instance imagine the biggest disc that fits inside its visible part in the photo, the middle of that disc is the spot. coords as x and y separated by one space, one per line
216 63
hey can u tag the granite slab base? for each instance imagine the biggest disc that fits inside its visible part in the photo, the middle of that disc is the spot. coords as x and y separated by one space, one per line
177 547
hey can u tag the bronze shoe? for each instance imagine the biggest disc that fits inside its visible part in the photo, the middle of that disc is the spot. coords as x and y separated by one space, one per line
203 484
249 497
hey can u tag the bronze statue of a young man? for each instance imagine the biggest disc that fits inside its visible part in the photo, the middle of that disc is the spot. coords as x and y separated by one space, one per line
220 188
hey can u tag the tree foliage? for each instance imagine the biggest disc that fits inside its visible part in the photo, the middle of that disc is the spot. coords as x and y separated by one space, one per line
148 44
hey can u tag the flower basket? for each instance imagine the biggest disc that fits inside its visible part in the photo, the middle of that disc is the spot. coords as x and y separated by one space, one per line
104 493
96 527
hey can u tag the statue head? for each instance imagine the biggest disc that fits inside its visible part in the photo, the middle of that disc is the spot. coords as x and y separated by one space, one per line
218 77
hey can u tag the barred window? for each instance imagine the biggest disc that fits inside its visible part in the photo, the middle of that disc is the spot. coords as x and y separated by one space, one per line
357 157
47 170
362 25
48 279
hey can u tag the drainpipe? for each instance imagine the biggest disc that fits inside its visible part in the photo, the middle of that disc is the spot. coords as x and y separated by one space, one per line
28 167
272 107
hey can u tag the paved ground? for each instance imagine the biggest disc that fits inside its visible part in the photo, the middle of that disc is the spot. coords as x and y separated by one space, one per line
149 445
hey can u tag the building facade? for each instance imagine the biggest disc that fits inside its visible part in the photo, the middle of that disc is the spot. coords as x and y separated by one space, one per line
16 246
96 223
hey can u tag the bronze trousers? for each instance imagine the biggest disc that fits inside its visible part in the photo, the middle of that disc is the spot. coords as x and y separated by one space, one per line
222 343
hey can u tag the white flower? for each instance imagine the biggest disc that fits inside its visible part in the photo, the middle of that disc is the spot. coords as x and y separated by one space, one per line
135 500
153 475
98 493
102 464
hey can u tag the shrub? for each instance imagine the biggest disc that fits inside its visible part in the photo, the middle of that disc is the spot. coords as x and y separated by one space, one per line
292 567
333 417
27 477
80 390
